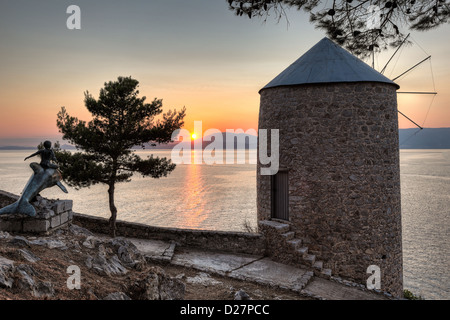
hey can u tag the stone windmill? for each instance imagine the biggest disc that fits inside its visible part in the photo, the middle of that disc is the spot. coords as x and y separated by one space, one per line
335 201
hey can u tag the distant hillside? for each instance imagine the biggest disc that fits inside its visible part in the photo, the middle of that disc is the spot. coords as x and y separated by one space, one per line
240 140
427 138
250 141
64 146
67 147
16 148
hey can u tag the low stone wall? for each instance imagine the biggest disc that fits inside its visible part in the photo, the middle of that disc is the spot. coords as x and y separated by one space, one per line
235 242
50 215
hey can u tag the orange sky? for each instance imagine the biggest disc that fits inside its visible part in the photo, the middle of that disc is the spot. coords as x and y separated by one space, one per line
210 61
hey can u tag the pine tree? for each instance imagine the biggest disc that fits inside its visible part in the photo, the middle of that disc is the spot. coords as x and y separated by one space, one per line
361 26
120 122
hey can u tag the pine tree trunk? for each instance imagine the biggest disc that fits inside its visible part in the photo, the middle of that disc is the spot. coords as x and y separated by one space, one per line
113 209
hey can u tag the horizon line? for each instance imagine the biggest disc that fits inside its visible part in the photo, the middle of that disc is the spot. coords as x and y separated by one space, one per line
12 142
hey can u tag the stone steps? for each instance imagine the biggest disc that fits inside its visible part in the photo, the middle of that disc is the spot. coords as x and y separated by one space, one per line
302 251
309 259
295 243
288 235
325 273
301 254
277 226
318 265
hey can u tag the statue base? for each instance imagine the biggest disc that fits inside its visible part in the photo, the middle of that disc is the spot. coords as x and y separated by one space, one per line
50 215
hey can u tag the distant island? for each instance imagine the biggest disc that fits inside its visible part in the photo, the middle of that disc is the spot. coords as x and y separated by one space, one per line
427 138
16 148
64 146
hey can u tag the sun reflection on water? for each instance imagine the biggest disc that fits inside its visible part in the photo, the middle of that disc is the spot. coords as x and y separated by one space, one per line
192 208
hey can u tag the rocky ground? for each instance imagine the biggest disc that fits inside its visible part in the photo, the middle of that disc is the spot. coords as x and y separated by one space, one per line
36 267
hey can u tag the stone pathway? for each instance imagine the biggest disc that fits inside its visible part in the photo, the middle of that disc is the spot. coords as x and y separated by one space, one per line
256 269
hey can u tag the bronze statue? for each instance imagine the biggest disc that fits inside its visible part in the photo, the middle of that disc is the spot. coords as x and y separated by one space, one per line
46 155
45 175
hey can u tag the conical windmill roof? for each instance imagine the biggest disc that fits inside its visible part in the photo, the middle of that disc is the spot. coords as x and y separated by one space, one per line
327 62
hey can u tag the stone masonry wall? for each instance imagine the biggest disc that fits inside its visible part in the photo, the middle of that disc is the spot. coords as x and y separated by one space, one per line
236 242
340 144
53 214
50 215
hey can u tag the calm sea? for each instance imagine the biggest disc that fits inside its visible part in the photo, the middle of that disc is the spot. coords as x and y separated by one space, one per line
223 197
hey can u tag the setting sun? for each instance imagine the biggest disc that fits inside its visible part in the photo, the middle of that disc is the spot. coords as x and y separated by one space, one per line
193 136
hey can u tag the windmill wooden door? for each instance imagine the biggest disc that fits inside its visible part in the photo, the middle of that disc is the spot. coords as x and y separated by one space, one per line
280 195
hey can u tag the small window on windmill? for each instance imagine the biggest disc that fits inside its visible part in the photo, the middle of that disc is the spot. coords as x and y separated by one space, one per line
280 195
